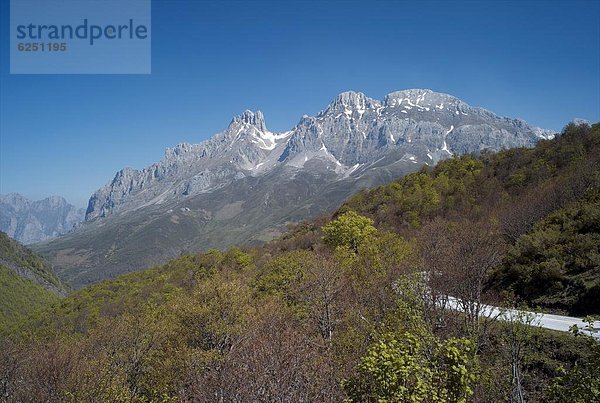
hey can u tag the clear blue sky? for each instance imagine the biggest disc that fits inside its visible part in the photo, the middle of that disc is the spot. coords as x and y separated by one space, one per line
69 134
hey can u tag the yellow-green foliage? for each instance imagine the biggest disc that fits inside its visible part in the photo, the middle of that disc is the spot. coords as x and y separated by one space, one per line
348 230
406 367
421 195
581 384
542 200
130 292
281 273
408 363
19 297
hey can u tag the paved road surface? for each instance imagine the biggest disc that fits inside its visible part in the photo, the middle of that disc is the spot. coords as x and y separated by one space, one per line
547 321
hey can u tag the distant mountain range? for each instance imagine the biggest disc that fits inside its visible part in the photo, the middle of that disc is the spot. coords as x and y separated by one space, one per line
34 221
247 183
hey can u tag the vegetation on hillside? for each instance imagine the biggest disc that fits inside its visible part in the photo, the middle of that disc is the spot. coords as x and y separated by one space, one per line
19 298
13 252
21 273
544 202
350 307
557 264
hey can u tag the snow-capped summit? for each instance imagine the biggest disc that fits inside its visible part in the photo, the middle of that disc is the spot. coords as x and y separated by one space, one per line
417 126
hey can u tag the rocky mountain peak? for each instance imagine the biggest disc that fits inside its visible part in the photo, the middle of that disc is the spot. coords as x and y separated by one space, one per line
124 174
580 121
349 102
414 127
251 118
245 182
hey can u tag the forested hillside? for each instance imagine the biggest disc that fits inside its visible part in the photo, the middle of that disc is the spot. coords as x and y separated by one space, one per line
543 203
27 282
352 306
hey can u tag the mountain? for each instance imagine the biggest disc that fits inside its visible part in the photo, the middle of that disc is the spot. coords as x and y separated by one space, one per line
27 282
33 221
354 130
247 183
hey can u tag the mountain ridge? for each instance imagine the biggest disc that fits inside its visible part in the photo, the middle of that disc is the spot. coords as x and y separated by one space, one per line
31 221
246 146
246 184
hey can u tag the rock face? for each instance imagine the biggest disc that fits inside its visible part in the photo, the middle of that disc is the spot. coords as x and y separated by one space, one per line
247 183
33 221
353 131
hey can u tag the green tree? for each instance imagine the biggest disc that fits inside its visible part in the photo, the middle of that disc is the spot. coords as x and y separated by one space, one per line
407 362
407 367
348 230
282 273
